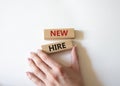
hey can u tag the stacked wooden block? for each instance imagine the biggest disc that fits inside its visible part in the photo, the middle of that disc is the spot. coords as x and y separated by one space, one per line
53 34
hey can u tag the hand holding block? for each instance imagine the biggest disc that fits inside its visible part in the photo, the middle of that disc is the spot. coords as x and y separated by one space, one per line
58 46
59 33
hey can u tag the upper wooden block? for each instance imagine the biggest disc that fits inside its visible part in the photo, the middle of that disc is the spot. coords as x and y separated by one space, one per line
57 46
62 33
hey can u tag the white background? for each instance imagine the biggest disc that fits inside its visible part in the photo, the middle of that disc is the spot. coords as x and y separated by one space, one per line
21 31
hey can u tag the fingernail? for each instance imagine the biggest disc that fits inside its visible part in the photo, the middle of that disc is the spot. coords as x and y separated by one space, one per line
28 74
75 45
29 59
31 53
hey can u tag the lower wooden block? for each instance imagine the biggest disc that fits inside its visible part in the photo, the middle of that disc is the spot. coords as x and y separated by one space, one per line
57 46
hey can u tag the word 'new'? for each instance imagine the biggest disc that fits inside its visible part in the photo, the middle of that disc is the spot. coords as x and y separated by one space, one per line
57 46
50 34
58 32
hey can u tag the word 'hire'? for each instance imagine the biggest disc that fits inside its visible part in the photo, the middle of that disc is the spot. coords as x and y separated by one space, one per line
57 46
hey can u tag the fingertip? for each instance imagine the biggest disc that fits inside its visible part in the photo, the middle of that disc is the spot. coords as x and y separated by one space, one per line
75 45
29 59
74 52
29 75
73 48
31 52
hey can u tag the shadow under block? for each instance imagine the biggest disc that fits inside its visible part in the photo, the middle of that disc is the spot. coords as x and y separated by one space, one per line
57 46
62 33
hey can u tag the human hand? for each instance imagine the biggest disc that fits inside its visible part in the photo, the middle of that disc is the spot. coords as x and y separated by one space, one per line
47 72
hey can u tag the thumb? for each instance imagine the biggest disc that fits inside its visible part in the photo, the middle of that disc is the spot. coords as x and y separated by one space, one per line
75 59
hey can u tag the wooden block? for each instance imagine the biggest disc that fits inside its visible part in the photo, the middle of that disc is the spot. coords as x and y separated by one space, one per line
62 33
57 46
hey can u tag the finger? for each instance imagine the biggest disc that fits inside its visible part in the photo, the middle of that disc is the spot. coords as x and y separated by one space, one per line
36 70
49 61
75 59
35 79
39 63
